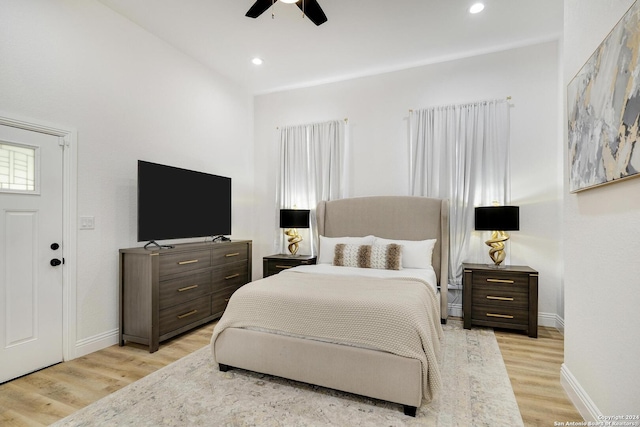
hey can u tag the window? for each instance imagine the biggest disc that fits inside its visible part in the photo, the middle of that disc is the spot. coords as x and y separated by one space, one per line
18 168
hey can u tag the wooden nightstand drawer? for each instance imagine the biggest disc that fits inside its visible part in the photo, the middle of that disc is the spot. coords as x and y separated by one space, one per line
506 315
274 264
500 278
501 296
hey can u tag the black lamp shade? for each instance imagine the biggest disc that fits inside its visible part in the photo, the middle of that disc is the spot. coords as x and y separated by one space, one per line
503 218
294 218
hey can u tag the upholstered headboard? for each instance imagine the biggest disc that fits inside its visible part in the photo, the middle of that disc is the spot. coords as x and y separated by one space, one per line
393 217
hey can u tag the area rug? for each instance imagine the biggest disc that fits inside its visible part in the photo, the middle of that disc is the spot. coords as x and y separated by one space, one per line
193 392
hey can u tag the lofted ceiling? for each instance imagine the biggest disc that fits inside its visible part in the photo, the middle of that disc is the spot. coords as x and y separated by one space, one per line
361 37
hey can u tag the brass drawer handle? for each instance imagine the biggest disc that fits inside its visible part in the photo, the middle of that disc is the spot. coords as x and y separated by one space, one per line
284 266
500 281
187 288
499 298
502 316
233 276
191 261
233 254
191 313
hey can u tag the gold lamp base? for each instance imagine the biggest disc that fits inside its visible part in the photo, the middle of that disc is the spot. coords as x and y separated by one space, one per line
496 243
294 239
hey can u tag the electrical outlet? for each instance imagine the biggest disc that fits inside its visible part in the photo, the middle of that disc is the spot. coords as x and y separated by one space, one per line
87 223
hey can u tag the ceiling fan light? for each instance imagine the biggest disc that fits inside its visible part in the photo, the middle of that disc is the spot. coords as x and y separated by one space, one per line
289 1
476 8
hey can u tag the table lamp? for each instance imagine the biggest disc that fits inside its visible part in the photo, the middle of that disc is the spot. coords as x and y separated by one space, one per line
497 219
291 220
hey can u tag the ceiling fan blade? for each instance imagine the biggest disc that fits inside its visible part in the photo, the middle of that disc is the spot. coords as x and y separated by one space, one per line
313 11
258 8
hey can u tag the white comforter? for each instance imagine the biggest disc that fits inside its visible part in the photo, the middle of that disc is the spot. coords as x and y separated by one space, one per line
397 312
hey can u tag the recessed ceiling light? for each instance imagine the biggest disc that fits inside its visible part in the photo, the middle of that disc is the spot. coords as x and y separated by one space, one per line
476 8
257 61
289 1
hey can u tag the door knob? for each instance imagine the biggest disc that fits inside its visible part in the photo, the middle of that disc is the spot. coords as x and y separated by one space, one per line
55 262
54 246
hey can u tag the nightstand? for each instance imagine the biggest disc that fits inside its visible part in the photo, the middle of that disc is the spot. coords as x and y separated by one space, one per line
504 297
274 264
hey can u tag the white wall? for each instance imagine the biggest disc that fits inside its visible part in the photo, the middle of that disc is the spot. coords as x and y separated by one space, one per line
602 257
130 96
377 108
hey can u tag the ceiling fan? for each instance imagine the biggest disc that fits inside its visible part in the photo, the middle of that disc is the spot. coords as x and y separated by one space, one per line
309 8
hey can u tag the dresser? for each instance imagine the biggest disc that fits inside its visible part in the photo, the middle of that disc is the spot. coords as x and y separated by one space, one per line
167 291
274 264
504 297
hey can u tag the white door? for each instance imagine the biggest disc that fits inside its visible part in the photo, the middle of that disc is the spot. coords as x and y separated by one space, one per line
31 183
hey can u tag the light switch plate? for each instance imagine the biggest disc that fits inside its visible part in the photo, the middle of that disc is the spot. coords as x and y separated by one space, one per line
87 223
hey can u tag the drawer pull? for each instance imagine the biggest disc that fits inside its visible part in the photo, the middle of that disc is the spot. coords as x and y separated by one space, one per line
502 316
284 266
499 298
190 313
500 281
227 299
187 288
191 261
233 276
233 254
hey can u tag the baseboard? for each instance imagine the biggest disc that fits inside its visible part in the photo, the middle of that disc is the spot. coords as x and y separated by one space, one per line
578 396
551 320
96 342
455 310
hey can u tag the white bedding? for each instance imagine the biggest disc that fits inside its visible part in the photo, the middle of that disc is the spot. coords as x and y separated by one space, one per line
425 274
385 310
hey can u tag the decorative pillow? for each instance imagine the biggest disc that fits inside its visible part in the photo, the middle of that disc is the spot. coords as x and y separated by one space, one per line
386 257
328 244
415 253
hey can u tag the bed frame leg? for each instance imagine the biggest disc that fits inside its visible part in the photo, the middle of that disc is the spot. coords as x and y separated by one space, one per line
443 321
224 368
410 410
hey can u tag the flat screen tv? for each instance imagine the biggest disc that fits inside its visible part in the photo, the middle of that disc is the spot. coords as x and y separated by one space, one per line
175 203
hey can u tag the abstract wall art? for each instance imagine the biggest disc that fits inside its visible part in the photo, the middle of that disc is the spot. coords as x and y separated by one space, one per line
603 102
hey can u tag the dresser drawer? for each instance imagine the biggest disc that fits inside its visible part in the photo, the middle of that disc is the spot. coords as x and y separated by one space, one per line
236 274
229 253
180 315
185 288
179 262
220 298
501 296
507 315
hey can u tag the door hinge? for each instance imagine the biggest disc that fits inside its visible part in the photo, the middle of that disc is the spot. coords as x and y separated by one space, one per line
62 141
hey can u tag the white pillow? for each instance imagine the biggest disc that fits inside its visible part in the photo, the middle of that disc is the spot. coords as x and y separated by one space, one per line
415 253
328 246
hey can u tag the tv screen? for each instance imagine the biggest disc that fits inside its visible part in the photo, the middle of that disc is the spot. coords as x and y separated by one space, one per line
176 203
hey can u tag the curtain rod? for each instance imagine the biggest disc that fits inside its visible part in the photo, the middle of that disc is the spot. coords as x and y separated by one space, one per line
346 120
508 99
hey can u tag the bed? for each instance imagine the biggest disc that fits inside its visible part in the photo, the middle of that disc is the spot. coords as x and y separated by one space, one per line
338 327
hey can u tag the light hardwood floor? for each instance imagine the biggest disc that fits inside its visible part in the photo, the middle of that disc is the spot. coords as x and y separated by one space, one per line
48 395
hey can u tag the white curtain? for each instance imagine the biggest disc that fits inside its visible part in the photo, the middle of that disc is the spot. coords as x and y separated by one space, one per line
461 152
312 168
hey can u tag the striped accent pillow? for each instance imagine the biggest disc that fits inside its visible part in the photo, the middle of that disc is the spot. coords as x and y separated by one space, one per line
386 257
